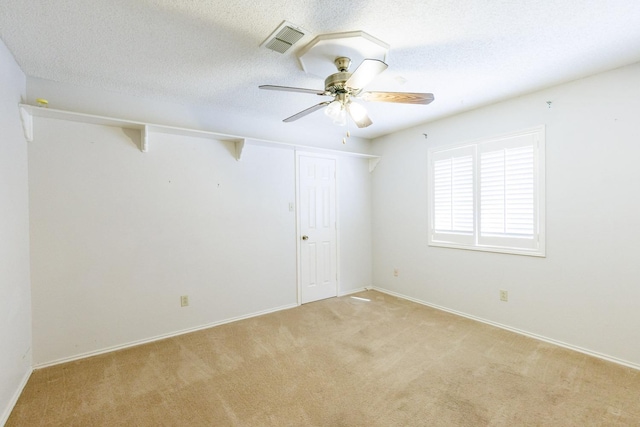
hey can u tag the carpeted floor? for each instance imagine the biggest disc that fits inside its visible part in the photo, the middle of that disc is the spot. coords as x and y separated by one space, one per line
338 362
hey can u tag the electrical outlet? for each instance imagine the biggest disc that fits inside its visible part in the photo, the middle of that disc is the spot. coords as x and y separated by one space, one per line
396 272
504 296
184 300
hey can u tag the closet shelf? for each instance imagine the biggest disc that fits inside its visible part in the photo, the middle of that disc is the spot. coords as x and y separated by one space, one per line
27 112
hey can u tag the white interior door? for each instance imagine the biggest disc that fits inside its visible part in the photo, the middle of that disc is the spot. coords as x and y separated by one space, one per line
318 232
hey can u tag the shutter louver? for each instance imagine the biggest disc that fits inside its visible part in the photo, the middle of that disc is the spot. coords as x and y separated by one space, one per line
453 195
442 195
507 192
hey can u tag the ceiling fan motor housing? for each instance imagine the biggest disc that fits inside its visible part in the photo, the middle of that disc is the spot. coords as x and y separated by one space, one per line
335 82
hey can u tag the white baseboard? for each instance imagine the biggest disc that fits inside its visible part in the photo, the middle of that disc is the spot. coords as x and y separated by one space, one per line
14 399
159 337
517 331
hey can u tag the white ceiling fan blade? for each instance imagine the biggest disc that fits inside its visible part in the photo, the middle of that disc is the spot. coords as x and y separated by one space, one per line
365 73
359 115
398 97
292 89
305 112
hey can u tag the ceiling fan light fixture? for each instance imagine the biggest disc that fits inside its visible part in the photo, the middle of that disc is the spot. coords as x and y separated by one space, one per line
341 120
357 111
336 111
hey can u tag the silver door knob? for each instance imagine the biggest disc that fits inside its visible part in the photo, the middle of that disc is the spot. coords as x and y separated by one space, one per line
305 237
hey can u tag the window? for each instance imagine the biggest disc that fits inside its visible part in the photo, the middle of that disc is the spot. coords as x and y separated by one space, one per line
489 194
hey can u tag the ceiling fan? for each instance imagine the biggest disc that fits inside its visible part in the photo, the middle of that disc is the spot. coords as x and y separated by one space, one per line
344 87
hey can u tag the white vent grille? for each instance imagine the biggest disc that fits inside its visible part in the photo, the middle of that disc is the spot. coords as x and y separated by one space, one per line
285 36
278 45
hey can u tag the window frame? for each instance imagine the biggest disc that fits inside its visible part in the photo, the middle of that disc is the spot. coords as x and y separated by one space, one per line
475 241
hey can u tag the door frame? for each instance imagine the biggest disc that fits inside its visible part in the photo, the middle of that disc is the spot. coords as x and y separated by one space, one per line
298 154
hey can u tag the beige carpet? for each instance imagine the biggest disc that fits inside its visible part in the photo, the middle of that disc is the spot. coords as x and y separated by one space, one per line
337 362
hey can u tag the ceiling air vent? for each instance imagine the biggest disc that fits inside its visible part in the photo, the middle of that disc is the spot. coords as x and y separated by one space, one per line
285 36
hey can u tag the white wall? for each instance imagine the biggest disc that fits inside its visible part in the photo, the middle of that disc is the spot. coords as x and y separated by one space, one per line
15 303
585 293
118 235
354 219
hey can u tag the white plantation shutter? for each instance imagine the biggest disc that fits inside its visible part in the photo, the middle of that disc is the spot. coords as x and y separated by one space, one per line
506 192
442 182
489 195
453 195
453 180
507 212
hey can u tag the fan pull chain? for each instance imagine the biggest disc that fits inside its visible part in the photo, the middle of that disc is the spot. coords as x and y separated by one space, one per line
344 140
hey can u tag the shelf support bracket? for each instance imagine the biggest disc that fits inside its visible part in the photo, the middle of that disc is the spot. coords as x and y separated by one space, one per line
144 138
27 124
373 163
239 147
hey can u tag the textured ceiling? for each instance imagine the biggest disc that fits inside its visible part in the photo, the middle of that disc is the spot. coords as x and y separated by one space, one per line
467 52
